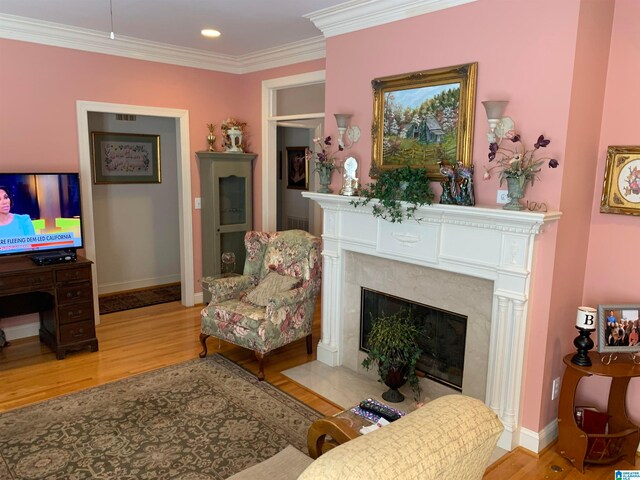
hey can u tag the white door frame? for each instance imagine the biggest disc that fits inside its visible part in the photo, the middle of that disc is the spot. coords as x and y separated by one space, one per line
184 187
269 138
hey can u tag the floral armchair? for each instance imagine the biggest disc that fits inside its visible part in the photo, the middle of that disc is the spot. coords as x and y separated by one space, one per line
272 304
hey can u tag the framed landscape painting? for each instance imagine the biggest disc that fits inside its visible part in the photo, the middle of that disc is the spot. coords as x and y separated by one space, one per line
424 117
621 189
125 158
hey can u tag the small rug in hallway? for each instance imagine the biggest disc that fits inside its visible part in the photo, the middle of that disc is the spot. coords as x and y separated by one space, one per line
117 302
205 419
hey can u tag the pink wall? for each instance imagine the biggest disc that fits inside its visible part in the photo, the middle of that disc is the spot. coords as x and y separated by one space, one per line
39 87
613 258
585 115
554 77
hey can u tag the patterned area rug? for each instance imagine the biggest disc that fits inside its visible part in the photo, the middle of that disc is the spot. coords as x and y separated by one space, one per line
139 298
200 420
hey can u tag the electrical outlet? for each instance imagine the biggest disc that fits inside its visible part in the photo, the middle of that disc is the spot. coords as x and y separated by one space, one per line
502 196
197 203
555 389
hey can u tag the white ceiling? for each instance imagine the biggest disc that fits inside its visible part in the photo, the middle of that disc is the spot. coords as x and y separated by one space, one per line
247 26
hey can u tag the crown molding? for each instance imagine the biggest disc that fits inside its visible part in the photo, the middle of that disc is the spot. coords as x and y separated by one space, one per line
54 34
360 14
296 52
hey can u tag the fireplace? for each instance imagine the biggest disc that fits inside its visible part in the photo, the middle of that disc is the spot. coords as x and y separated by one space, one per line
442 339
492 246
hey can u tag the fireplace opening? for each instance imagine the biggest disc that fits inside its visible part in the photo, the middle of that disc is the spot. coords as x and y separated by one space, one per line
442 342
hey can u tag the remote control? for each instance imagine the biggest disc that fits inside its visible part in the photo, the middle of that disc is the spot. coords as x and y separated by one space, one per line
381 410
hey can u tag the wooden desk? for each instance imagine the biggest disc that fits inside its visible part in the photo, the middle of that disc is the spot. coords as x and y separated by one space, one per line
623 436
61 293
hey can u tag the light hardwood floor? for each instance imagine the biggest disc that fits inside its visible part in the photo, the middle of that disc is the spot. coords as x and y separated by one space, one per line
148 338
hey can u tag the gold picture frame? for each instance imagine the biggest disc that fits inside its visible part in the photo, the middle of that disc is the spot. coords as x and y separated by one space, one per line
125 158
297 168
424 117
621 188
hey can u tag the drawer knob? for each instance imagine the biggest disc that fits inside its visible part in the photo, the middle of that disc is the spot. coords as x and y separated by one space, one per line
75 314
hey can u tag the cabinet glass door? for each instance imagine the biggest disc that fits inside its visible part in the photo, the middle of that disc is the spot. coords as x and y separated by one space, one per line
232 200
234 242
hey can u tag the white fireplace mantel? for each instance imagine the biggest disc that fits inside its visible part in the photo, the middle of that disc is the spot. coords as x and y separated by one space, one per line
489 243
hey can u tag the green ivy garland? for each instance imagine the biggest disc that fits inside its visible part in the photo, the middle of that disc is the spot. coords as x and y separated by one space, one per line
404 184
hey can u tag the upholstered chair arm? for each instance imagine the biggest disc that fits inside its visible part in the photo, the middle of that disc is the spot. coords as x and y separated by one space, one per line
227 288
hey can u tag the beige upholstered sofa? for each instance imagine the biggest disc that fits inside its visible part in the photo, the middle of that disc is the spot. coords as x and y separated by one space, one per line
451 437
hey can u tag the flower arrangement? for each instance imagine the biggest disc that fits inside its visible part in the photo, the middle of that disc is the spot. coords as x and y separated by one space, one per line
518 162
326 161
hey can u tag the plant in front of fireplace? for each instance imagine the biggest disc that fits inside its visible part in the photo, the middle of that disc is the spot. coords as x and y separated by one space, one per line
393 346
393 187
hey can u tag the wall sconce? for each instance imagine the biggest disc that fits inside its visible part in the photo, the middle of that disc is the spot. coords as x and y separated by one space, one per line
352 131
498 124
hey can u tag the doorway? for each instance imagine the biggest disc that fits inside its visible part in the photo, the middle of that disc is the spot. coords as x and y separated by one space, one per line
181 118
276 112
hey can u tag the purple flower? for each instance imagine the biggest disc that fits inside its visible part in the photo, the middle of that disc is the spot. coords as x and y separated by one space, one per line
493 149
542 142
492 156
515 138
327 140
553 163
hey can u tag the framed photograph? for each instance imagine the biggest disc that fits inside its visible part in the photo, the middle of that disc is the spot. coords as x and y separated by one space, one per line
621 189
297 168
125 158
618 328
424 117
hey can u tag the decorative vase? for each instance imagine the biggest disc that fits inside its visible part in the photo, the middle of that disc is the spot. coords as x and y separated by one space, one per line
515 189
211 140
324 179
396 377
235 140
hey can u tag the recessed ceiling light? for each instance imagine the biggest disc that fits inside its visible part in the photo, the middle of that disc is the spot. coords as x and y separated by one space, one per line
210 33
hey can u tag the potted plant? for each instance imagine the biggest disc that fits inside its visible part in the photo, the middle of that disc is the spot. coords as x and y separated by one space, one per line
393 346
405 184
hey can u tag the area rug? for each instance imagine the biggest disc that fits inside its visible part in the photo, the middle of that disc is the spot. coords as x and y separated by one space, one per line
205 419
139 298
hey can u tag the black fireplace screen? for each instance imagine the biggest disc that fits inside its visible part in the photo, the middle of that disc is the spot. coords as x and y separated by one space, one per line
442 342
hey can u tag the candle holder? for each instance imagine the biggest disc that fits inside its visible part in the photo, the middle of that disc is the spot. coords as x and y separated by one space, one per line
583 343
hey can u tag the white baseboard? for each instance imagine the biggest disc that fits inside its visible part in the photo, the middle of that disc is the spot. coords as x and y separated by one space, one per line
25 330
134 284
198 298
538 441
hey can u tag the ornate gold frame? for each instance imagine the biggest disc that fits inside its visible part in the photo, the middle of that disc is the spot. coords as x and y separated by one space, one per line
464 75
623 164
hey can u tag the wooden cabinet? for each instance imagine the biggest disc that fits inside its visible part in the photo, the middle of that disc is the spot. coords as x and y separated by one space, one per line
226 184
620 441
61 293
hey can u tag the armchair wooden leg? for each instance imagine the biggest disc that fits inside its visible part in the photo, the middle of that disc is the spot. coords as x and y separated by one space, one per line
203 341
260 357
310 344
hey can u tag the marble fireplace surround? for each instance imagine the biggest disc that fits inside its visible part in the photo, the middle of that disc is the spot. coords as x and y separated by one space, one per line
486 243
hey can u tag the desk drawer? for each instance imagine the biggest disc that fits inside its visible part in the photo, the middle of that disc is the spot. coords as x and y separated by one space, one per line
32 280
74 293
75 313
73 274
77 332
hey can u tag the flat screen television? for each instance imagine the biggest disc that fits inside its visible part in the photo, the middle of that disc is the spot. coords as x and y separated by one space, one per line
39 212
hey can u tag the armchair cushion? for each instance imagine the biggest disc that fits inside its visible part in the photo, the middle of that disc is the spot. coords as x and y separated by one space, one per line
270 286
